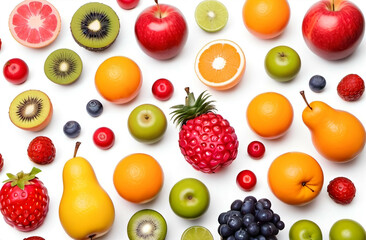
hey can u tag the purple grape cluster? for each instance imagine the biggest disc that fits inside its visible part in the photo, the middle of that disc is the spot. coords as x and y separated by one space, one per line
250 220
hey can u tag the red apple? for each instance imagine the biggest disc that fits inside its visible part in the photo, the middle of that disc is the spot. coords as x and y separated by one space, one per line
128 4
333 29
161 31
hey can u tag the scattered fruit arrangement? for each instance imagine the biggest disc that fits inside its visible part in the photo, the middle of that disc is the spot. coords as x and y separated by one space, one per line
126 85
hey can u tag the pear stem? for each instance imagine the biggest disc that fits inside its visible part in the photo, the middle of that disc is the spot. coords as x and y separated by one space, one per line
77 145
304 185
306 101
159 10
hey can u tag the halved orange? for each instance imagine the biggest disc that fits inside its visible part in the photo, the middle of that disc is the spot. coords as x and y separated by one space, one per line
220 64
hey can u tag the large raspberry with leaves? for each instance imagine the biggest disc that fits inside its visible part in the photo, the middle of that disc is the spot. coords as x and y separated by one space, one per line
206 140
24 201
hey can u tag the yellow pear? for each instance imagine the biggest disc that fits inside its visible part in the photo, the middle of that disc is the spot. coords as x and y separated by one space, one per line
86 211
337 135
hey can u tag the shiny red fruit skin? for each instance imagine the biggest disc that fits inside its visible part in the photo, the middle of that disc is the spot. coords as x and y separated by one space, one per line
161 38
246 180
103 138
128 4
333 35
41 150
162 89
341 190
208 142
34 238
25 209
256 149
16 71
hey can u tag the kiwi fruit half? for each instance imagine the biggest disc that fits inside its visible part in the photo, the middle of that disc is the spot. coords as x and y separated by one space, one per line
31 110
95 26
147 224
63 66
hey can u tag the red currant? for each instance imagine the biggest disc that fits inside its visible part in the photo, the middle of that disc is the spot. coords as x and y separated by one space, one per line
246 180
104 138
16 71
256 149
162 89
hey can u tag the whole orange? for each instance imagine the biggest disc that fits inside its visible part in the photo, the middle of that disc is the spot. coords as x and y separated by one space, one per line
295 178
266 18
270 115
138 178
118 79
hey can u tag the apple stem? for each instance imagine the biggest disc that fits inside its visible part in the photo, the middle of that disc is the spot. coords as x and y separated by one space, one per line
333 5
77 145
157 3
304 185
306 101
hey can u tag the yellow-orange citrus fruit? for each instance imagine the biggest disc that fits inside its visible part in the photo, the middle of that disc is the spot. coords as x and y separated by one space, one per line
266 18
295 178
138 178
220 64
118 79
270 115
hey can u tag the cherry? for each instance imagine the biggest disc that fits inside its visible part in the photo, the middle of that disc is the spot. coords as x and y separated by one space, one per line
127 4
16 71
104 138
162 89
246 180
256 149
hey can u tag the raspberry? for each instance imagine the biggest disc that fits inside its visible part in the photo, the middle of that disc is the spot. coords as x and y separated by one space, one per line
351 87
341 190
34 238
41 150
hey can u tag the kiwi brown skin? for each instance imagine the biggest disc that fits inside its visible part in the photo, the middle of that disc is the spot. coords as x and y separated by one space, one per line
42 124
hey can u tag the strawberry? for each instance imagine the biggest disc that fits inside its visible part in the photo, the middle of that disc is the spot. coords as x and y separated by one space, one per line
341 190
41 150
34 238
351 87
1 162
24 201
206 139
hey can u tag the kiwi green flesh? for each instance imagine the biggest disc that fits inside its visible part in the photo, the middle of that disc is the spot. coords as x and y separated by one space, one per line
63 66
30 109
147 224
95 26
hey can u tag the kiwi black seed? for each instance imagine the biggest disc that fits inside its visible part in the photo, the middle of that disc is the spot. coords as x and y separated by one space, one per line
31 110
95 26
63 66
147 224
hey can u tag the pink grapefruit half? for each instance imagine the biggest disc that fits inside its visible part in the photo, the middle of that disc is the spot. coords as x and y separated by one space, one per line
35 23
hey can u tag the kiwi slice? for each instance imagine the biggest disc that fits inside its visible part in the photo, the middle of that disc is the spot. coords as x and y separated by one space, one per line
63 66
31 110
147 224
95 26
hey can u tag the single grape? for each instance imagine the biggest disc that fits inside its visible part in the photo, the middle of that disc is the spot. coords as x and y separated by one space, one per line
231 237
266 230
241 234
225 231
280 225
276 218
248 219
264 215
234 222
236 205
223 218
253 229
247 207
250 198
266 203
261 237
259 206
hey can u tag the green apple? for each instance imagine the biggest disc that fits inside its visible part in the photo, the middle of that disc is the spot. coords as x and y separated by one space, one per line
189 198
347 229
282 63
147 123
305 230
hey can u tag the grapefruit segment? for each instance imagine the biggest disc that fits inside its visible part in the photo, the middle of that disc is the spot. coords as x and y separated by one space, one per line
35 23
220 64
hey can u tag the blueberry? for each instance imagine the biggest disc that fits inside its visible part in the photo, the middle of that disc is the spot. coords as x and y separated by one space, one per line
276 218
317 83
259 206
72 129
234 222
225 231
250 198
247 207
241 234
223 218
280 225
253 229
265 202
94 108
236 205
264 215
266 230
248 219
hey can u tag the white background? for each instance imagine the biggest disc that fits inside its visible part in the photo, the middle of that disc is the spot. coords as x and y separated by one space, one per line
69 104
